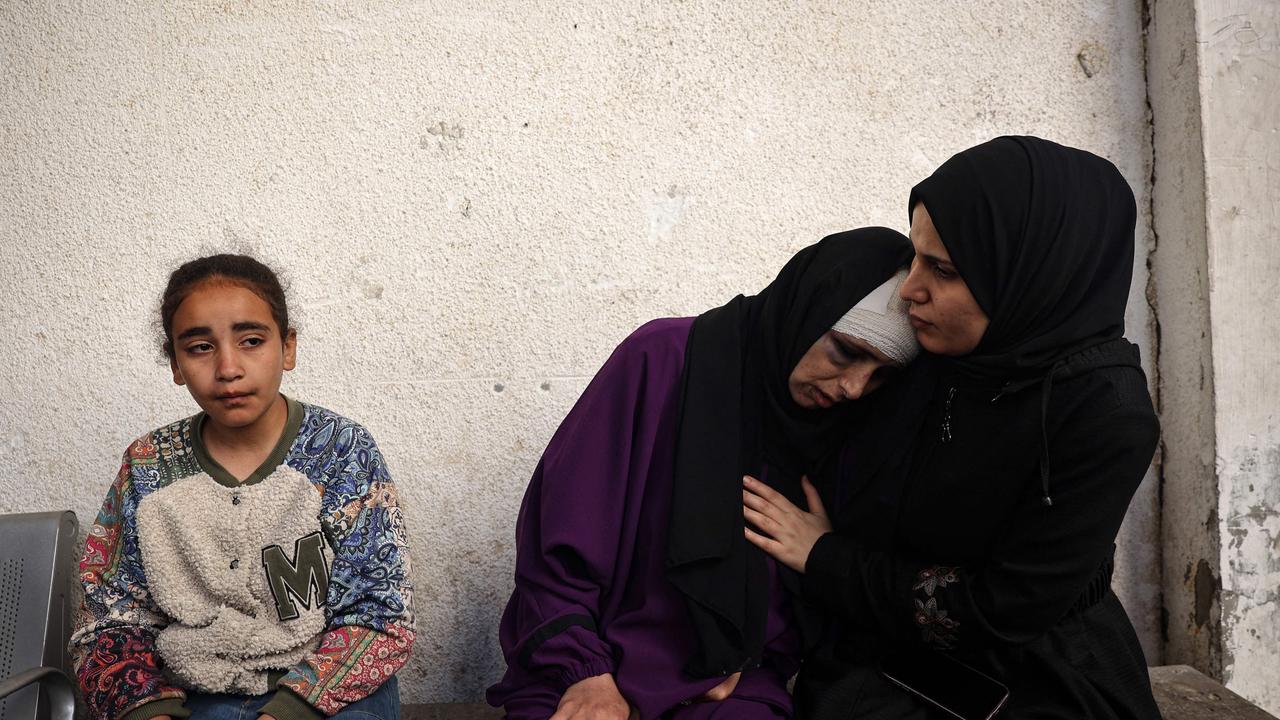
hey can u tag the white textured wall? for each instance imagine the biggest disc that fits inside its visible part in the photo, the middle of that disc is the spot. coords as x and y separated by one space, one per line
1240 88
1215 93
475 205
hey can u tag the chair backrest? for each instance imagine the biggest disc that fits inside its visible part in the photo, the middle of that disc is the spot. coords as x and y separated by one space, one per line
37 567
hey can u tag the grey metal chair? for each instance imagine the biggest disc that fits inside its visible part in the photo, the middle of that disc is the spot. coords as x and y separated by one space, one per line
37 567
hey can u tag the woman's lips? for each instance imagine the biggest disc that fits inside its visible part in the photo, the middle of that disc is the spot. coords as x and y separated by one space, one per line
917 323
824 400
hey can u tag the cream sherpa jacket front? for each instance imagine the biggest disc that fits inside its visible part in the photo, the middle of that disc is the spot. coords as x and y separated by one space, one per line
202 545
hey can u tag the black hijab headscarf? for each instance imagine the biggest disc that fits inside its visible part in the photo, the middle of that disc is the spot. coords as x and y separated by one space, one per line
1043 236
737 415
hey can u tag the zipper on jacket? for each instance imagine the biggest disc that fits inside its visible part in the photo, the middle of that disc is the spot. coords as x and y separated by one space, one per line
946 415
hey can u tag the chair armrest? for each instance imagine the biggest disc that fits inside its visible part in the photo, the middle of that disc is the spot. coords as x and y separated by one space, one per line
58 688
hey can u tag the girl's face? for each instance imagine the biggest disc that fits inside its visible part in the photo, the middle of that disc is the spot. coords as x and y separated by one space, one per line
947 320
228 352
836 368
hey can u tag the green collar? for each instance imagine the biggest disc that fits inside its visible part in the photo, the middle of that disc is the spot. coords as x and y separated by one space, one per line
291 425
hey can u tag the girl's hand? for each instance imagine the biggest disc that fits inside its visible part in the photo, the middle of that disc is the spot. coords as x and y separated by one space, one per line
786 532
595 698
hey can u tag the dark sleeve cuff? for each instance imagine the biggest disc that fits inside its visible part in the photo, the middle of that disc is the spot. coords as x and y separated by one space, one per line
288 705
827 569
164 706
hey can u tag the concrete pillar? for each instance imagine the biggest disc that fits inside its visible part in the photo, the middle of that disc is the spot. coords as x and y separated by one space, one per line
1180 286
1214 89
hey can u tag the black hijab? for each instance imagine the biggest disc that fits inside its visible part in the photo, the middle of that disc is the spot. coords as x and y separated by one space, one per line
1043 236
737 415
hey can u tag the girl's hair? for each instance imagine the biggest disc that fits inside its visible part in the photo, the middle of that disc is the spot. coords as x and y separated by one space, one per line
233 269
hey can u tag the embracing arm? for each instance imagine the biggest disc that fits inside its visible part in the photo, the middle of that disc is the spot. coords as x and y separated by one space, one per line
1033 576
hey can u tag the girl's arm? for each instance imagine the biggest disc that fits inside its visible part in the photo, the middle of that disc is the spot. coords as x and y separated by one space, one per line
113 645
369 609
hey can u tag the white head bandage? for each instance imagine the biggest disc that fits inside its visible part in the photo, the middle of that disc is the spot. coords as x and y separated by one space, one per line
881 319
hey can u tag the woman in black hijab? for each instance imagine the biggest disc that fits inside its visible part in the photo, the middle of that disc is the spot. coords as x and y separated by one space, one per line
977 516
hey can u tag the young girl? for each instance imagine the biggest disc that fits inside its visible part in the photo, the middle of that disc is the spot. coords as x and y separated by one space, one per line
250 560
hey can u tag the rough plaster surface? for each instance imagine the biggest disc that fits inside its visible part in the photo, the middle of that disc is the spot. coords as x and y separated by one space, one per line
1215 96
475 204
1240 85
1180 284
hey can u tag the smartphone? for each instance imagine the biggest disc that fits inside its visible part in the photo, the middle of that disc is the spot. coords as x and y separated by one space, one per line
946 683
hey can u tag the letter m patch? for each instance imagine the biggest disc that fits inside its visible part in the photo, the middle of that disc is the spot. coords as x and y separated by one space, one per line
297 581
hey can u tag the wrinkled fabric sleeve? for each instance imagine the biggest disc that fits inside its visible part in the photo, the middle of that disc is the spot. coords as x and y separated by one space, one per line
113 646
369 607
571 541
1034 575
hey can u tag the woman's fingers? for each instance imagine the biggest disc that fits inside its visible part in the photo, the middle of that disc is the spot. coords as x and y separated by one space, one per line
769 494
766 499
759 504
766 544
754 501
765 516
761 489
765 523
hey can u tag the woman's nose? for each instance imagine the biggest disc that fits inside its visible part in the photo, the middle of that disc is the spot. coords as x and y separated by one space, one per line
854 382
912 289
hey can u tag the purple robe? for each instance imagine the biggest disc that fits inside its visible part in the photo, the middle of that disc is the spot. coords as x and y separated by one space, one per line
591 596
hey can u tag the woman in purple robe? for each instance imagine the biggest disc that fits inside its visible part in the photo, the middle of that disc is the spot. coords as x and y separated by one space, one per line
636 592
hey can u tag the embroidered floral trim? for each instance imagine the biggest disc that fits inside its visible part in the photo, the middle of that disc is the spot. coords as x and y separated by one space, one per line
935 577
935 627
